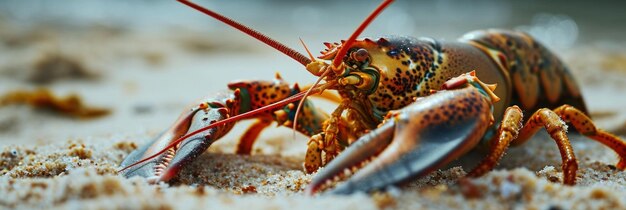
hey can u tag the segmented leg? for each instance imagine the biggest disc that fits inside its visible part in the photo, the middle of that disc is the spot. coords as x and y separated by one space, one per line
244 147
585 126
313 157
507 132
551 120
558 131
542 118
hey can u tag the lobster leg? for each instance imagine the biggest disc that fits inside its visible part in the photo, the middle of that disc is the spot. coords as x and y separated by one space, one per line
585 126
507 132
558 131
244 147
511 126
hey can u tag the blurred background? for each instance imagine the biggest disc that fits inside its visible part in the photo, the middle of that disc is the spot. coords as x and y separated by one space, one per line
145 61
587 20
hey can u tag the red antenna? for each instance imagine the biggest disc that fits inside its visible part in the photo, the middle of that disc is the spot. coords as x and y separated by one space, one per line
345 46
253 33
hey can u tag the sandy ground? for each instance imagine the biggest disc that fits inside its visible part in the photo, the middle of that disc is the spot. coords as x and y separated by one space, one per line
50 160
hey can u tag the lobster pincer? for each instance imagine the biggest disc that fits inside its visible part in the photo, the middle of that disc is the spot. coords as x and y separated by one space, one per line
416 139
213 117
166 164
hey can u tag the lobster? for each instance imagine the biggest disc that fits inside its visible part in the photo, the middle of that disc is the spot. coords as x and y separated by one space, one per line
407 107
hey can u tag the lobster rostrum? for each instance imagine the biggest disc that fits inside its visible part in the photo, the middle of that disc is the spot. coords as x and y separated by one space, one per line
408 106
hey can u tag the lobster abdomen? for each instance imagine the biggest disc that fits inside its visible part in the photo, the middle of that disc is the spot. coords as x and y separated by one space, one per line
538 77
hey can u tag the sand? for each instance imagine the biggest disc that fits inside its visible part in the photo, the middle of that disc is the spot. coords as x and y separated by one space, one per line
52 161
81 174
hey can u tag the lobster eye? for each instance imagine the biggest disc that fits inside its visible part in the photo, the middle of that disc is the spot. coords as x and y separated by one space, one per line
360 55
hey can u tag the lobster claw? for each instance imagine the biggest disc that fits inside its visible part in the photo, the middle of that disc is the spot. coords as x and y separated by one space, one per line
406 146
166 165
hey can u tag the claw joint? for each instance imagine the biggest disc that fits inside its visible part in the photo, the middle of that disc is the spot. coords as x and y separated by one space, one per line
317 67
471 79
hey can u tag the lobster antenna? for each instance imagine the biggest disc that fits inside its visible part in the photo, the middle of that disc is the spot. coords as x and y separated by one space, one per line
345 46
301 103
251 32
307 49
